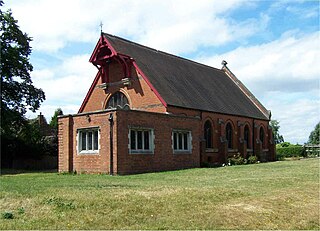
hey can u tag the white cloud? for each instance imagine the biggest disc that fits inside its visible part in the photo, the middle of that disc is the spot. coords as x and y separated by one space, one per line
190 32
310 10
65 85
170 26
67 82
286 62
297 118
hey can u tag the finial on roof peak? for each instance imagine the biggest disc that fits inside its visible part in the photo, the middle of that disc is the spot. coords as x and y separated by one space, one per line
224 63
101 24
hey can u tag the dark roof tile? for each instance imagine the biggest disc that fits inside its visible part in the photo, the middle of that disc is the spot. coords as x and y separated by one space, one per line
185 83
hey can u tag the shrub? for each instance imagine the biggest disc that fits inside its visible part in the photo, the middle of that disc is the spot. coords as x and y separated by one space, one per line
283 145
237 159
291 151
252 160
21 210
280 156
7 215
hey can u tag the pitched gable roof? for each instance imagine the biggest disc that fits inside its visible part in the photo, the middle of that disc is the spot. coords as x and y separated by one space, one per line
185 83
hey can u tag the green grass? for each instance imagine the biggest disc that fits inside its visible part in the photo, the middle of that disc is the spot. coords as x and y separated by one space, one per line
278 195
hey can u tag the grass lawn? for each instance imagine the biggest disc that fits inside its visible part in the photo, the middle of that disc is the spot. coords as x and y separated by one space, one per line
278 195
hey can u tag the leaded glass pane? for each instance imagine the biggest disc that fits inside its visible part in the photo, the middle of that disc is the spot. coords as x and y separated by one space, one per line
83 140
185 142
95 140
133 139
180 141
175 139
89 140
146 140
139 138
117 99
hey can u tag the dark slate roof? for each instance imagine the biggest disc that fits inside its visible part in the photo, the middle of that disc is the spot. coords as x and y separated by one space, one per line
188 84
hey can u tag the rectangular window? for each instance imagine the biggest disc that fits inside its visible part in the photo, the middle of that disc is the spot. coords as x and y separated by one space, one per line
88 140
141 140
181 141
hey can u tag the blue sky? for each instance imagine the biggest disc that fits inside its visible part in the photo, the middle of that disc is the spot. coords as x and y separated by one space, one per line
271 46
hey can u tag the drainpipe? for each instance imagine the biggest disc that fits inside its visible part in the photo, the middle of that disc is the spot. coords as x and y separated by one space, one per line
111 143
253 138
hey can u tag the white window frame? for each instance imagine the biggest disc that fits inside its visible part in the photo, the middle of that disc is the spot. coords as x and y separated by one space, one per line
86 131
141 150
189 140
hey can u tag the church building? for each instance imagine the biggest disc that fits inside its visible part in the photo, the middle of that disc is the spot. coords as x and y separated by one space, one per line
149 111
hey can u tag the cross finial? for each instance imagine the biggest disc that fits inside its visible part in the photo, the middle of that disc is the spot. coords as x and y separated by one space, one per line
224 63
101 26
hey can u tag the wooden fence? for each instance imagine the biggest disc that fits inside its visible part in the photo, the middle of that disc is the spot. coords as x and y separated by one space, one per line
311 150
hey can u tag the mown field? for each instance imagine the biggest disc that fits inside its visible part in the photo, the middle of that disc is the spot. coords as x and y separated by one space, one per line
278 195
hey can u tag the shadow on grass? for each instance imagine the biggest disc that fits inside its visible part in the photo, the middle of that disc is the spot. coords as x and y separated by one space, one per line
9 171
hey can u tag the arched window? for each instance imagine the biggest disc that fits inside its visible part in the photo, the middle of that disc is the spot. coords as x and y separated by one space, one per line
229 135
247 135
261 135
117 99
208 134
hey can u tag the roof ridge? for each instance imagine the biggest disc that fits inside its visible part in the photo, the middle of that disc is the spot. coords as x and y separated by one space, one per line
163 52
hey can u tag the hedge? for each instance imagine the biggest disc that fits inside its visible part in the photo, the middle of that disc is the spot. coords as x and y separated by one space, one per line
292 151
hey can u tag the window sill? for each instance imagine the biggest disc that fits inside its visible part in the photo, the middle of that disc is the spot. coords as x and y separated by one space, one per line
141 152
232 150
82 153
182 152
210 150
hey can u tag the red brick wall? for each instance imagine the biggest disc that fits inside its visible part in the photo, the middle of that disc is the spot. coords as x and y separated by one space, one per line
89 163
163 157
125 163
65 148
219 122
140 95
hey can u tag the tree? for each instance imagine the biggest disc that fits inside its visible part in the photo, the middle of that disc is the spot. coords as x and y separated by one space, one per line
275 131
314 137
54 119
17 91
